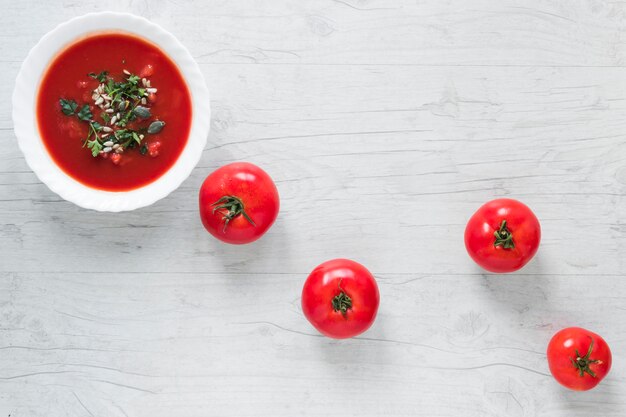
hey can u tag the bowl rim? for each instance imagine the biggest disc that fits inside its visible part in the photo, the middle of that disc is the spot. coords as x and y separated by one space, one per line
26 128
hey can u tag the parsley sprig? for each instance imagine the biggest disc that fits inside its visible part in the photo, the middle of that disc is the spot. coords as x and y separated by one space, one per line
69 107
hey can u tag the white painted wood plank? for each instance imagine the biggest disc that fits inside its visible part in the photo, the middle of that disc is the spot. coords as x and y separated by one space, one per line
399 32
384 124
226 344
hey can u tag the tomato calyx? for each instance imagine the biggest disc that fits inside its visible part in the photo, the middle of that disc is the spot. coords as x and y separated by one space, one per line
504 237
582 363
234 207
342 301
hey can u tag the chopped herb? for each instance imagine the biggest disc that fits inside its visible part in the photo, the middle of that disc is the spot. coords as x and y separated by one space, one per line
100 77
119 103
84 113
95 146
68 107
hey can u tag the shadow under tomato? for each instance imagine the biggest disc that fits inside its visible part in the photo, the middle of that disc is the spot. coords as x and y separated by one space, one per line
602 400
345 358
524 299
522 291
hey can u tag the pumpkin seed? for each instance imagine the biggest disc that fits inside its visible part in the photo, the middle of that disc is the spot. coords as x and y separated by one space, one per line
142 112
155 127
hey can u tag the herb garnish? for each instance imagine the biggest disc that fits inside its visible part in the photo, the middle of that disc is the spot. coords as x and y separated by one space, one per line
121 102
85 114
68 107
100 77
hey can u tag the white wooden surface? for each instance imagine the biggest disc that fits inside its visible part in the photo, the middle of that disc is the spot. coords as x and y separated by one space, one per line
385 124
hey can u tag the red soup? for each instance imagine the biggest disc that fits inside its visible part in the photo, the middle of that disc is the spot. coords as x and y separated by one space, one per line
114 112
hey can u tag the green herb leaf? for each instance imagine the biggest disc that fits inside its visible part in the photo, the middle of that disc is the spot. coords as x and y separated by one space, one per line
68 107
142 112
100 77
136 137
133 79
95 146
155 127
84 113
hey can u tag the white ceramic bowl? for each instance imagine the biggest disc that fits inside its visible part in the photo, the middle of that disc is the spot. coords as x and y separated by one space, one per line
27 131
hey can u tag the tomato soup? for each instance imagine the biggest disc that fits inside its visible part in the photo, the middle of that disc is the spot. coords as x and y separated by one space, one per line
114 112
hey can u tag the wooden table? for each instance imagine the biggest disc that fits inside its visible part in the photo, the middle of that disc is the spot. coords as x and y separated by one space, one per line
385 124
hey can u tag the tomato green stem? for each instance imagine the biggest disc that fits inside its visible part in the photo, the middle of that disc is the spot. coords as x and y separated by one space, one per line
234 207
582 363
342 302
504 237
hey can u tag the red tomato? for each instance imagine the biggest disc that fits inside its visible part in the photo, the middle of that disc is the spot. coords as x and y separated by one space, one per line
503 235
146 71
578 359
238 203
340 298
115 158
153 148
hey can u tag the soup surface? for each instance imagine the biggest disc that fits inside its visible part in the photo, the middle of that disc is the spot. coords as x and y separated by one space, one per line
113 111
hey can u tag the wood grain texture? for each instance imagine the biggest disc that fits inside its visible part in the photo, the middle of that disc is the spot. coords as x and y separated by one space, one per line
385 125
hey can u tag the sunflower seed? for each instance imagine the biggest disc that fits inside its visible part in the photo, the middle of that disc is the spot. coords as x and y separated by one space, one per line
117 145
107 129
95 96
113 120
126 72
106 135
118 116
144 82
99 101
148 83
151 90
106 97
144 101
109 111
108 143
141 136
107 149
